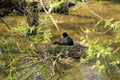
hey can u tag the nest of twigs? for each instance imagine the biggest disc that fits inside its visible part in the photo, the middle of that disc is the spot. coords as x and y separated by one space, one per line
76 51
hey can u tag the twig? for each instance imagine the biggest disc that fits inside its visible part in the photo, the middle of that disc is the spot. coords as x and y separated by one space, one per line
32 64
48 13
91 10
5 23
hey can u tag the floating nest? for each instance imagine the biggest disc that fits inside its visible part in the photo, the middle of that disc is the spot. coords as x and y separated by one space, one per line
76 51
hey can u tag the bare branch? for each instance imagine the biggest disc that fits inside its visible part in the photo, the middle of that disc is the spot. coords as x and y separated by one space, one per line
91 10
48 13
5 23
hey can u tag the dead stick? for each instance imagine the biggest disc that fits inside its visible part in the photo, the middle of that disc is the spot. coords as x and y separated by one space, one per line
5 23
48 12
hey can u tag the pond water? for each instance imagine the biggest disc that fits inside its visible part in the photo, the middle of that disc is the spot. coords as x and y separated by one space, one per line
80 72
78 19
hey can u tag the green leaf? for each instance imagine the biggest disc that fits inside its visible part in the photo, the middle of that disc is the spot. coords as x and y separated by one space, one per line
101 68
98 22
98 62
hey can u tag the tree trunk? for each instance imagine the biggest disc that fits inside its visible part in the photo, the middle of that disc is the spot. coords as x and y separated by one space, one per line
32 17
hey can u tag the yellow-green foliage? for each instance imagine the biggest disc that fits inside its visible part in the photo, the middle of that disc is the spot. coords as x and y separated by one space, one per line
14 43
105 56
